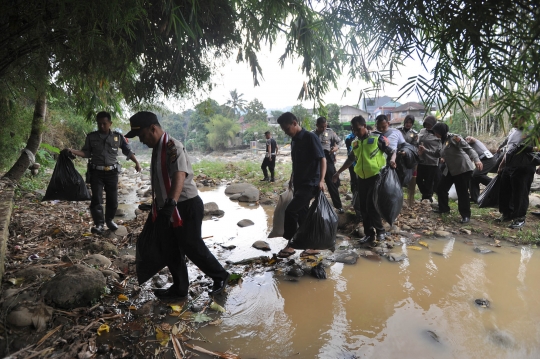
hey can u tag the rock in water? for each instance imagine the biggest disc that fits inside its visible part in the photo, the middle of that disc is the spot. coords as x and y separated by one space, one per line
393 257
262 245
442 234
245 223
347 257
74 287
482 250
484 303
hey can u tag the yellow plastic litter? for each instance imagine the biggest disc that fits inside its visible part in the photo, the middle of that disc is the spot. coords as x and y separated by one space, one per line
176 310
102 328
416 248
122 298
424 244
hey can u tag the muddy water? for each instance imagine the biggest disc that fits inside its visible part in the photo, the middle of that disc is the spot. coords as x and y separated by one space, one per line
421 308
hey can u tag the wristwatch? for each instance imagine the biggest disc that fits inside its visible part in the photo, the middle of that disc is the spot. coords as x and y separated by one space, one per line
170 202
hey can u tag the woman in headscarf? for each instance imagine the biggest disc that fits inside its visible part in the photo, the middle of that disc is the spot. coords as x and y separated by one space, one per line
429 148
457 154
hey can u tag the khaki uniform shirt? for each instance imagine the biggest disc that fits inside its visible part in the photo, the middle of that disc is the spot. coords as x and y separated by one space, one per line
411 136
102 149
328 138
458 155
433 146
177 161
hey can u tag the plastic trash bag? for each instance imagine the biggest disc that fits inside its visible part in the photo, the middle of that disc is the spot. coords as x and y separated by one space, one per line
318 231
279 214
452 193
388 195
66 183
318 271
154 245
410 157
490 196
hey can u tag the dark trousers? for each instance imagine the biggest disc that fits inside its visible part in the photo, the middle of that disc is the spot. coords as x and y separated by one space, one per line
189 243
333 188
481 177
371 218
108 181
462 188
354 179
270 165
514 191
426 178
296 211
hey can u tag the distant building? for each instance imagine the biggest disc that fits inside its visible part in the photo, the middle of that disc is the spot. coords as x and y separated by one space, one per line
386 109
410 108
370 104
346 113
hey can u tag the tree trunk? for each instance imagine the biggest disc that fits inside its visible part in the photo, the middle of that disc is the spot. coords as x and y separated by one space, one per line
22 164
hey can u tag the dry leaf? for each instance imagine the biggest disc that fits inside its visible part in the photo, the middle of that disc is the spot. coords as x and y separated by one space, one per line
162 338
122 298
216 322
41 315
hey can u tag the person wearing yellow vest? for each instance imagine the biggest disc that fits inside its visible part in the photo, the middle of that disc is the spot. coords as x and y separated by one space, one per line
368 150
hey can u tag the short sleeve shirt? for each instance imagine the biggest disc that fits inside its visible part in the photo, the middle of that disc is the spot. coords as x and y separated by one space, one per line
177 161
328 138
479 147
306 153
395 138
103 148
272 143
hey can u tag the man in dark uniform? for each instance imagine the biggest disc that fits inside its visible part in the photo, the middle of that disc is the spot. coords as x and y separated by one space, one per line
410 135
488 162
330 144
308 169
269 161
102 147
176 204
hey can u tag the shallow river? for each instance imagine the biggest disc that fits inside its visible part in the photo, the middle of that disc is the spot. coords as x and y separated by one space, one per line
421 308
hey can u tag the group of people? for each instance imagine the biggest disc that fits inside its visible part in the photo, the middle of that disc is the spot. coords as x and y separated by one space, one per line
444 159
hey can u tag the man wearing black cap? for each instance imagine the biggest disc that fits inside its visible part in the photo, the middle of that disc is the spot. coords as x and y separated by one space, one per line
101 147
177 204
269 161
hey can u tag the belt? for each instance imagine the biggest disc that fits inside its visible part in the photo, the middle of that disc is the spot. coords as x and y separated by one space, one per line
103 168
481 157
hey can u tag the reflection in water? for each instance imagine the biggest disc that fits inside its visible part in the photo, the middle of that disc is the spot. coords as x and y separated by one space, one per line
421 308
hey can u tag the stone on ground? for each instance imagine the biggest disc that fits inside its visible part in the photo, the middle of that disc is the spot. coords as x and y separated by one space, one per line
73 287
98 260
262 245
245 223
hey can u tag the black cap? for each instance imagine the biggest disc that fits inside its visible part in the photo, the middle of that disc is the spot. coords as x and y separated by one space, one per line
139 121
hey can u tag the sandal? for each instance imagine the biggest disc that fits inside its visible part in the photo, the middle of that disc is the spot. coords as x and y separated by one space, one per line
285 254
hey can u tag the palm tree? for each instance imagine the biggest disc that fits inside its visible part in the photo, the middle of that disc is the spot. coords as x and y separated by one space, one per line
236 102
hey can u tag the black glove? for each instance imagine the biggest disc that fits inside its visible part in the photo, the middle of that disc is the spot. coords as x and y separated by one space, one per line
165 213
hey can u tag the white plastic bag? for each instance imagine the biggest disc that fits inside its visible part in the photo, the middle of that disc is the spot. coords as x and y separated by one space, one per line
279 214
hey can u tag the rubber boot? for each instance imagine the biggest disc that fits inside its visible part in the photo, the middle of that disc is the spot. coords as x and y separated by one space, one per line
97 216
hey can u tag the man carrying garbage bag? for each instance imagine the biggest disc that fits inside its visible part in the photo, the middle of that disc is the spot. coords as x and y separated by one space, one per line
172 181
368 151
308 170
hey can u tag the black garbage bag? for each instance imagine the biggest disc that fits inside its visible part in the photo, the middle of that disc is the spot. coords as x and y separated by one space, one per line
66 183
318 271
318 231
388 195
409 159
490 196
154 245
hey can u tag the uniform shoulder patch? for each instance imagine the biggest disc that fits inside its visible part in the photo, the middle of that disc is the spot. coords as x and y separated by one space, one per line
457 138
172 153
355 144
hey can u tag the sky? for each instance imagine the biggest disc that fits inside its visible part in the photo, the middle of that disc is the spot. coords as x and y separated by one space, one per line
280 86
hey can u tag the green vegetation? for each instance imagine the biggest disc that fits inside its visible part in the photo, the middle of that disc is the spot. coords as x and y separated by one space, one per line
221 131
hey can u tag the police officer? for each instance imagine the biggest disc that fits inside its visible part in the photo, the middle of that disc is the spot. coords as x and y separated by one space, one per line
488 162
330 144
102 147
368 151
269 162
428 175
410 135
457 154
515 181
